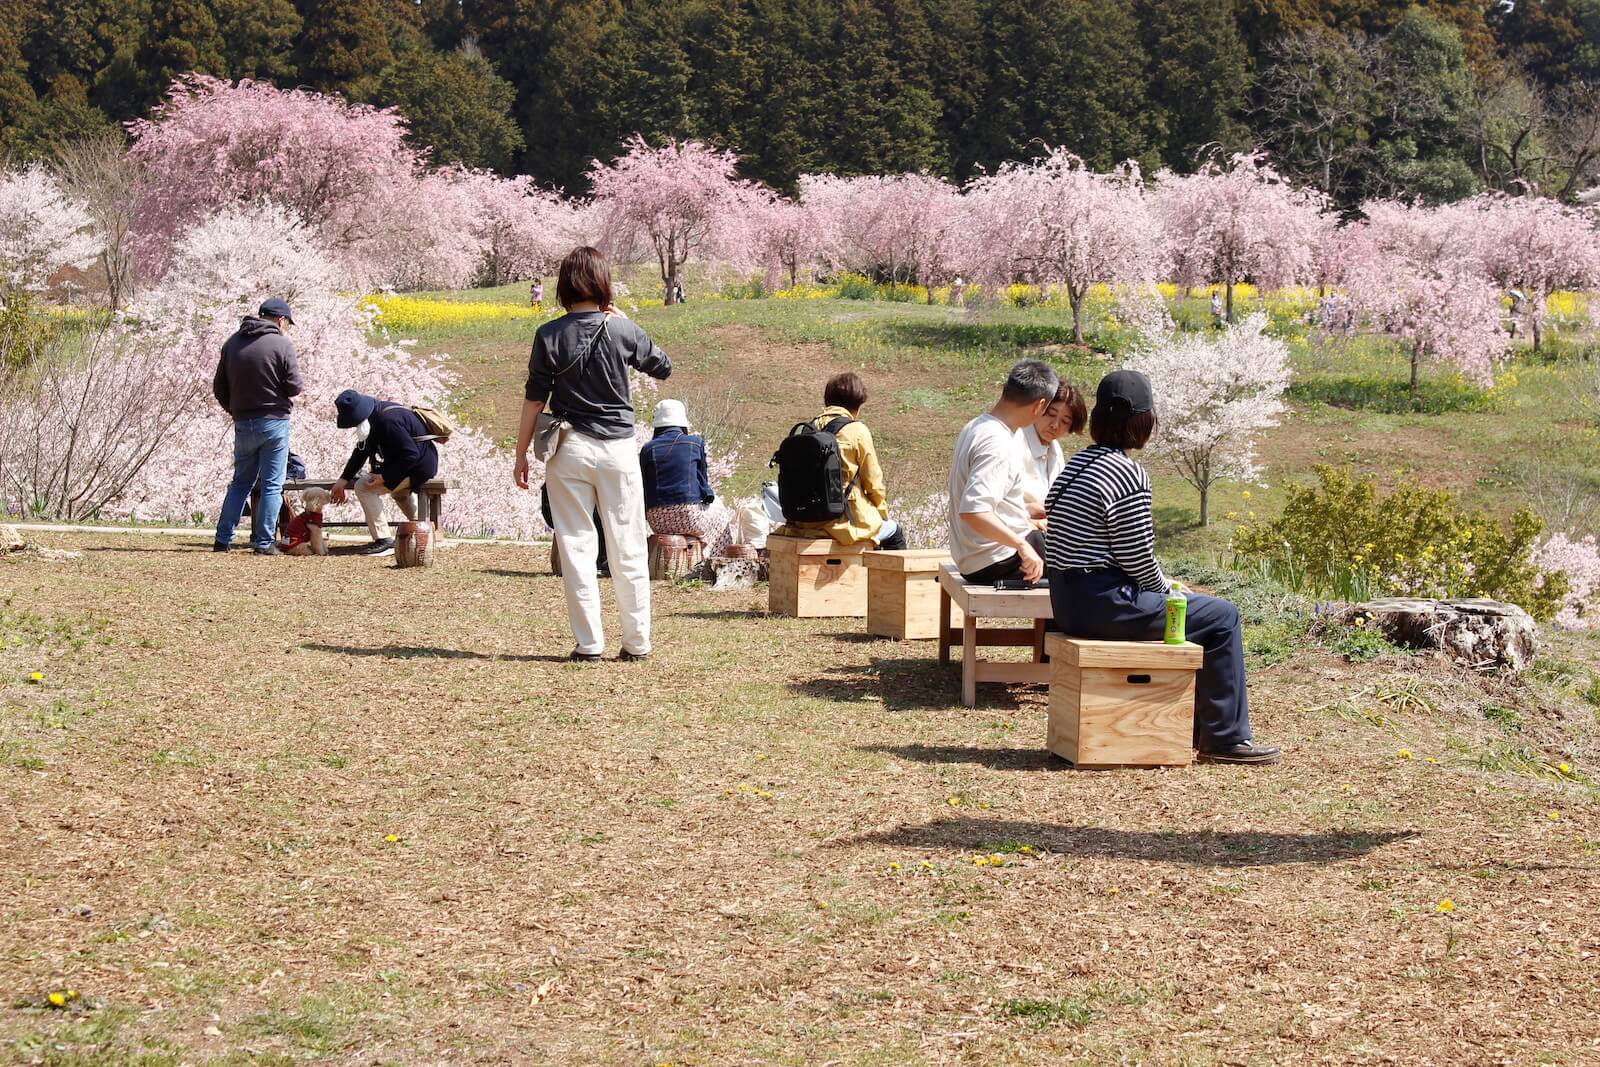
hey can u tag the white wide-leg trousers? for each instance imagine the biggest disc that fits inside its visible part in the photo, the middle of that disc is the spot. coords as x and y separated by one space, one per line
586 473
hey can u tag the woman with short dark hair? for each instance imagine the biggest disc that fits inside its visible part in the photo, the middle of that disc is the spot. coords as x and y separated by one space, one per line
579 368
866 513
1105 581
1041 439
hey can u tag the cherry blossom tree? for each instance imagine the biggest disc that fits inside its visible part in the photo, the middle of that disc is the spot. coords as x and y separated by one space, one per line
345 169
1214 396
1058 222
521 231
220 268
1578 559
788 237
906 227
681 199
42 230
1242 222
1403 282
1533 245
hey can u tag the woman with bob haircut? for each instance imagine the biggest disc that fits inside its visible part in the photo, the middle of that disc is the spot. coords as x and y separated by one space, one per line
1105 582
579 369
1067 414
866 513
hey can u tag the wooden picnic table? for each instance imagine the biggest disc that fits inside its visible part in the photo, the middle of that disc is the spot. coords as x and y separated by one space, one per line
983 601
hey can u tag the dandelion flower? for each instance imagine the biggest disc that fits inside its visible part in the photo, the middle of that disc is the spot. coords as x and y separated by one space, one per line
391 838
1565 768
1552 815
926 865
1347 788
1430 759
1026 850
57 999
1446 906
822 905
954 802
1404 753
894 866
1246 494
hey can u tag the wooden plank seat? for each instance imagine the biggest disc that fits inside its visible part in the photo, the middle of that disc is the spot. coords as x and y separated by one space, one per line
1122 703
986 602
429 498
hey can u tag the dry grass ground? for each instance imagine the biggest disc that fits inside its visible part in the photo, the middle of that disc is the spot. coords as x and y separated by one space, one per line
293 811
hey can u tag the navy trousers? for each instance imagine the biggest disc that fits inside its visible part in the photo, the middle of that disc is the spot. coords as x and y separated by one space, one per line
1109 606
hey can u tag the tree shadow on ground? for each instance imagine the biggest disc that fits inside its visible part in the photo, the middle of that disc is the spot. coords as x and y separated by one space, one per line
902 685
996 759
720 615
502 572
428 652
1198 848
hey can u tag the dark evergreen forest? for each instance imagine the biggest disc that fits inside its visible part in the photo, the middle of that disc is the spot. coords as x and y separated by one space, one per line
1358 97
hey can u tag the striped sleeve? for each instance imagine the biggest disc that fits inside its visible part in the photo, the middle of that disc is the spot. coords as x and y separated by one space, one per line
1131 531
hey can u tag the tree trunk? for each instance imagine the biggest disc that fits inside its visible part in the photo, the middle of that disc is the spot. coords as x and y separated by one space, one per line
1538 332
1416 363
1205 504
1075 298
1229 285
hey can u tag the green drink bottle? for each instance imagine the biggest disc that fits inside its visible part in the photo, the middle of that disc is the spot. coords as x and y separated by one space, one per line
1177 613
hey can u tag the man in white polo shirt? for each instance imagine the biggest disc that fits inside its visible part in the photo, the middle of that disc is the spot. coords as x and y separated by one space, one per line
991 537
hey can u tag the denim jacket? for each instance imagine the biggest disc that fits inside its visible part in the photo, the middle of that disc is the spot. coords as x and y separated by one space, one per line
673 463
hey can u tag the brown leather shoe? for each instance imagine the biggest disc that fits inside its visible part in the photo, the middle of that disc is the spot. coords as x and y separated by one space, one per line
1244 752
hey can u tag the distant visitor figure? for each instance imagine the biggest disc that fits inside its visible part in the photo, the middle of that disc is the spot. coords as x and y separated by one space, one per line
579 371
256 379
536 293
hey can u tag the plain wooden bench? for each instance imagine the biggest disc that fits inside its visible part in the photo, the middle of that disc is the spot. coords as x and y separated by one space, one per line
430 498
986 602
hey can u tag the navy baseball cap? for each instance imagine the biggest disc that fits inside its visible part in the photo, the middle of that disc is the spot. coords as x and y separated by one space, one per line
276 308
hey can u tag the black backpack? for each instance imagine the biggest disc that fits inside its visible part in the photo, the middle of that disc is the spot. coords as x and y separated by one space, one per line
811 484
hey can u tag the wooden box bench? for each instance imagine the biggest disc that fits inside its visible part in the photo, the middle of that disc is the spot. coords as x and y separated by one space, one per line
903 593
816 578
1121 703
986 602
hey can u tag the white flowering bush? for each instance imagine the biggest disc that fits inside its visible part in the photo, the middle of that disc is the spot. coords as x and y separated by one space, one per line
1214 396
1579 560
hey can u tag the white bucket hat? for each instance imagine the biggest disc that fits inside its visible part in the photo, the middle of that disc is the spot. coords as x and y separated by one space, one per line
670 413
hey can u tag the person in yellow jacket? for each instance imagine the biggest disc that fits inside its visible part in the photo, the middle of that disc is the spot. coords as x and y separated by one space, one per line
866 515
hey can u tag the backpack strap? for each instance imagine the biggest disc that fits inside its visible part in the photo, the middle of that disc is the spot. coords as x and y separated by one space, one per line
836 424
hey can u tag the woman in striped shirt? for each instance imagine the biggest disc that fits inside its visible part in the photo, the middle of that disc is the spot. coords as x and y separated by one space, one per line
1105 582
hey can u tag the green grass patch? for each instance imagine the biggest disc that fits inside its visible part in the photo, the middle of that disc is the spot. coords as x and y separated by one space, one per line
1041 1012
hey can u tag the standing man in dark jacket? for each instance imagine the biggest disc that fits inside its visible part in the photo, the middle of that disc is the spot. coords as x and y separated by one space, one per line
395 440
256 379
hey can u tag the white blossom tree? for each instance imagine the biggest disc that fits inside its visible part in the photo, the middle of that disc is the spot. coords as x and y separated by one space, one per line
1214 396
42 230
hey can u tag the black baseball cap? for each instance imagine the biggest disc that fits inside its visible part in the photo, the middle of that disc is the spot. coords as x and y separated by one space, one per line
1125 392
276 307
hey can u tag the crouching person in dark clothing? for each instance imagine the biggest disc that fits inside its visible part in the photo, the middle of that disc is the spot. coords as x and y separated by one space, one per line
394 440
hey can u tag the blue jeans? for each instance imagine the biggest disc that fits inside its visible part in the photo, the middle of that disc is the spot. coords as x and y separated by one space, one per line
260 450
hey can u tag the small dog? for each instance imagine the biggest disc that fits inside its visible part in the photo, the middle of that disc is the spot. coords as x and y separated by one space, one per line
304 536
